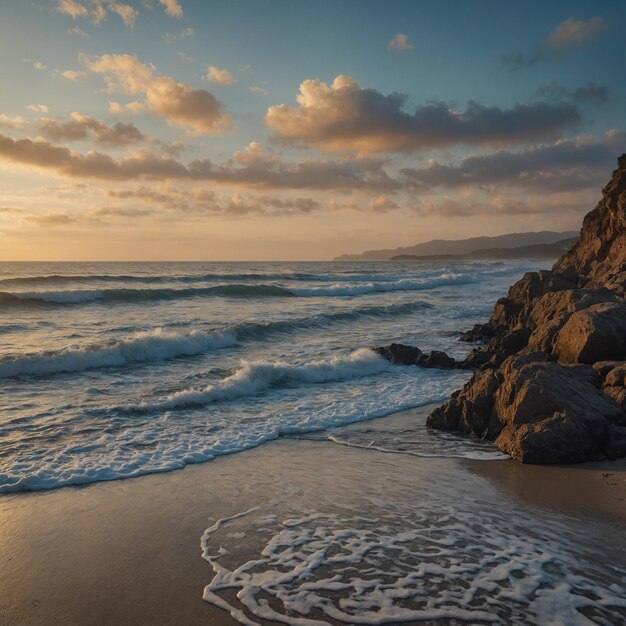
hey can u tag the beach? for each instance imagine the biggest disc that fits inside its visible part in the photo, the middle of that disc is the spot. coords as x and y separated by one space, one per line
128 551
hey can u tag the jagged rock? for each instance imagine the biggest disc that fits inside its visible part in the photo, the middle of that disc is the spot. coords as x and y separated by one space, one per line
616 376
613 374
437 359
597 333
409 355
480 332
599 257
602 368
400 354
536 410
549 313
551 383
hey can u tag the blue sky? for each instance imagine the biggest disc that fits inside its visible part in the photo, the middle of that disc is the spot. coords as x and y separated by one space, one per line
233 167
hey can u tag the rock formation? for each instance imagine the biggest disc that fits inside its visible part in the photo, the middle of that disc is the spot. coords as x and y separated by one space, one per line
401 354
550 383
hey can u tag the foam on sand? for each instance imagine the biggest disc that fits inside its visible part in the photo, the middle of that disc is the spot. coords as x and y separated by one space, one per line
437 560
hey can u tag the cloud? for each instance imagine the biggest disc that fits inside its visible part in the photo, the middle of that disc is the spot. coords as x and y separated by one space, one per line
563 166
72 8
184 34
38 65
223 77
252 168
260 91
597 94
38 108
73 75
178 103
591 93
172 8
97 10
201 201
343 117
502 204
51 219
124 212
15 123
122 73
400 43
573 32
185 57
133 107
77 31
86 127
567 35
186 106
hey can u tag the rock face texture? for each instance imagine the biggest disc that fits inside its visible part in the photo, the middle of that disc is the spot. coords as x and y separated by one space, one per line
550 379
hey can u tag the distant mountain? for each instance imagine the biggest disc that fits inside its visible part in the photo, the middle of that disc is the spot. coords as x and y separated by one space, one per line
538 251
463 246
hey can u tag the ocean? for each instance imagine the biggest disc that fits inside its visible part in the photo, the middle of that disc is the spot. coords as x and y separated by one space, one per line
114 370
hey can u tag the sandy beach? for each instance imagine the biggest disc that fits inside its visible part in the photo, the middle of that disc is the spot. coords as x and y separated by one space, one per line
128 552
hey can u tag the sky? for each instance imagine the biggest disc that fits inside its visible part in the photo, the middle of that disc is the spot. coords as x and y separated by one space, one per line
300 130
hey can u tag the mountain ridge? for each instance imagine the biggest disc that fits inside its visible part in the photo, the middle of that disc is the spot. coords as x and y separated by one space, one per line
463 246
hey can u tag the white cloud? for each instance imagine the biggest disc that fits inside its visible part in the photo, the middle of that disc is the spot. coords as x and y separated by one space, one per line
222 77
131 107
38 108
73 75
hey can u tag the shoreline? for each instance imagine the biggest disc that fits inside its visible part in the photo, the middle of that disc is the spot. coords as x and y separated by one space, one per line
128 551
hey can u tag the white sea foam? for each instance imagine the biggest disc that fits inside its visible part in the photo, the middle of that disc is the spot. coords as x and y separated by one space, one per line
341 289
156 345
254 377
438 560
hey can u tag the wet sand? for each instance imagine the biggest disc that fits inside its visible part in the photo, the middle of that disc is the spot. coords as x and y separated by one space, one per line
128 552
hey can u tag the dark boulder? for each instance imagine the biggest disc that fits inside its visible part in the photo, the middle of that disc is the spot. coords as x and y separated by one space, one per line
400 354
437 359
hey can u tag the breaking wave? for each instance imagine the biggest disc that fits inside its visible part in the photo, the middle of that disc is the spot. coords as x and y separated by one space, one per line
160 344
254 377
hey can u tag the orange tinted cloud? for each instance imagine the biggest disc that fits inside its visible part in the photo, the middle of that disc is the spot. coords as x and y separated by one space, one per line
253 168
344 117
177 103
84 126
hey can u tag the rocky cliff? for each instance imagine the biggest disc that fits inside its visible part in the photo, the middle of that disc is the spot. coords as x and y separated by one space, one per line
550 379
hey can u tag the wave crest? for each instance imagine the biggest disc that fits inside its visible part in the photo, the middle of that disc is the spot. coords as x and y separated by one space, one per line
156 345
253 377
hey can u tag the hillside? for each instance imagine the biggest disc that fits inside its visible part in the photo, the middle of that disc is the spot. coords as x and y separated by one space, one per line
537 251
462 246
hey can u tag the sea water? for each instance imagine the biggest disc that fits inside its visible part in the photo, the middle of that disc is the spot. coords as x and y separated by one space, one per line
114 370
